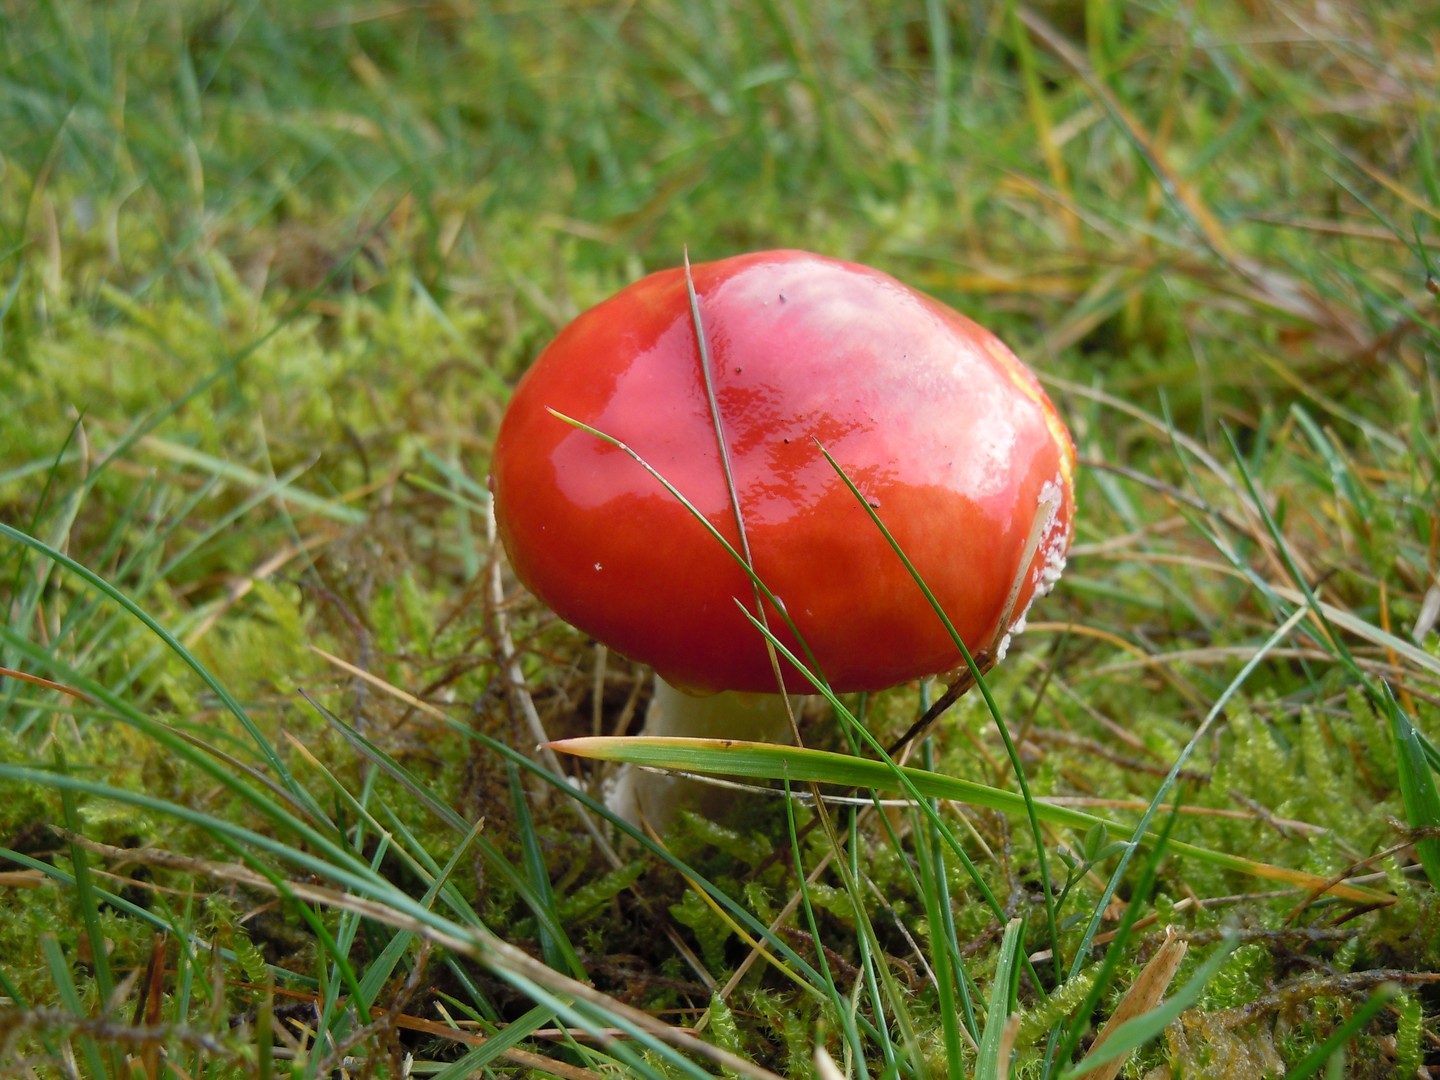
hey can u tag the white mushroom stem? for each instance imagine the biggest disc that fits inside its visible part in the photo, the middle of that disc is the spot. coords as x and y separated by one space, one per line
635 793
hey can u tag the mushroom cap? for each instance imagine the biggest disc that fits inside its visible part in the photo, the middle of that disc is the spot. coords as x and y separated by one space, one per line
947 435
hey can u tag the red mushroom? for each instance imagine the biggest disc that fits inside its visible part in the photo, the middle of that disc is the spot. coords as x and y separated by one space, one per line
942 429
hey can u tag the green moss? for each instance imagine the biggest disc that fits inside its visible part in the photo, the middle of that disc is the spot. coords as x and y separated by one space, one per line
711 932
1409 1031
1243 978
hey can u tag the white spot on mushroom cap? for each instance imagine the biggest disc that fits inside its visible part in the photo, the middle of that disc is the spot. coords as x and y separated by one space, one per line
1052 562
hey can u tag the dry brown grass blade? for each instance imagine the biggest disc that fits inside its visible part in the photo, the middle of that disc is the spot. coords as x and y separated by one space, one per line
459 1032
1209 229
1366 630
1143 659
1188 903
1143 996
1416 202
380 684
25 676
241 587
825 1067
1429 613
1272 289
150 1007
1136 805
1245 519
21 879
479 944
1348 229
548 756
440 1030
1007 1044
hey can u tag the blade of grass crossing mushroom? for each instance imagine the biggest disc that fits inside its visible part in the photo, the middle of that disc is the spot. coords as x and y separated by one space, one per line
887 766
707 373
714 407
977 674
705 523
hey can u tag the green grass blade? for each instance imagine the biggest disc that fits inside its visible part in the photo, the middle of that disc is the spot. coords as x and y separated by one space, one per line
1149 875
990 1062
1329 1050
64 982
763 761
104 587
1417 786
1016 766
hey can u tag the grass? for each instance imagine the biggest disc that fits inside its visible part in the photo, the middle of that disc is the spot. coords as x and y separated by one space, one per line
272 803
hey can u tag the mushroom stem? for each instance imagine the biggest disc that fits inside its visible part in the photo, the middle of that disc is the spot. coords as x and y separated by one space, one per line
635 794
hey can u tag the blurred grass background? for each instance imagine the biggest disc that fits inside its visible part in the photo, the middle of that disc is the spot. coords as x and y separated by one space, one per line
267 272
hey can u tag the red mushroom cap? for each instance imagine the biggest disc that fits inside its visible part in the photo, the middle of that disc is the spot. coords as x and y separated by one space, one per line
942 429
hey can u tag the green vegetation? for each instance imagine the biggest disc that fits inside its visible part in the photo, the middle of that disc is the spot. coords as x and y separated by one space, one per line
270 799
